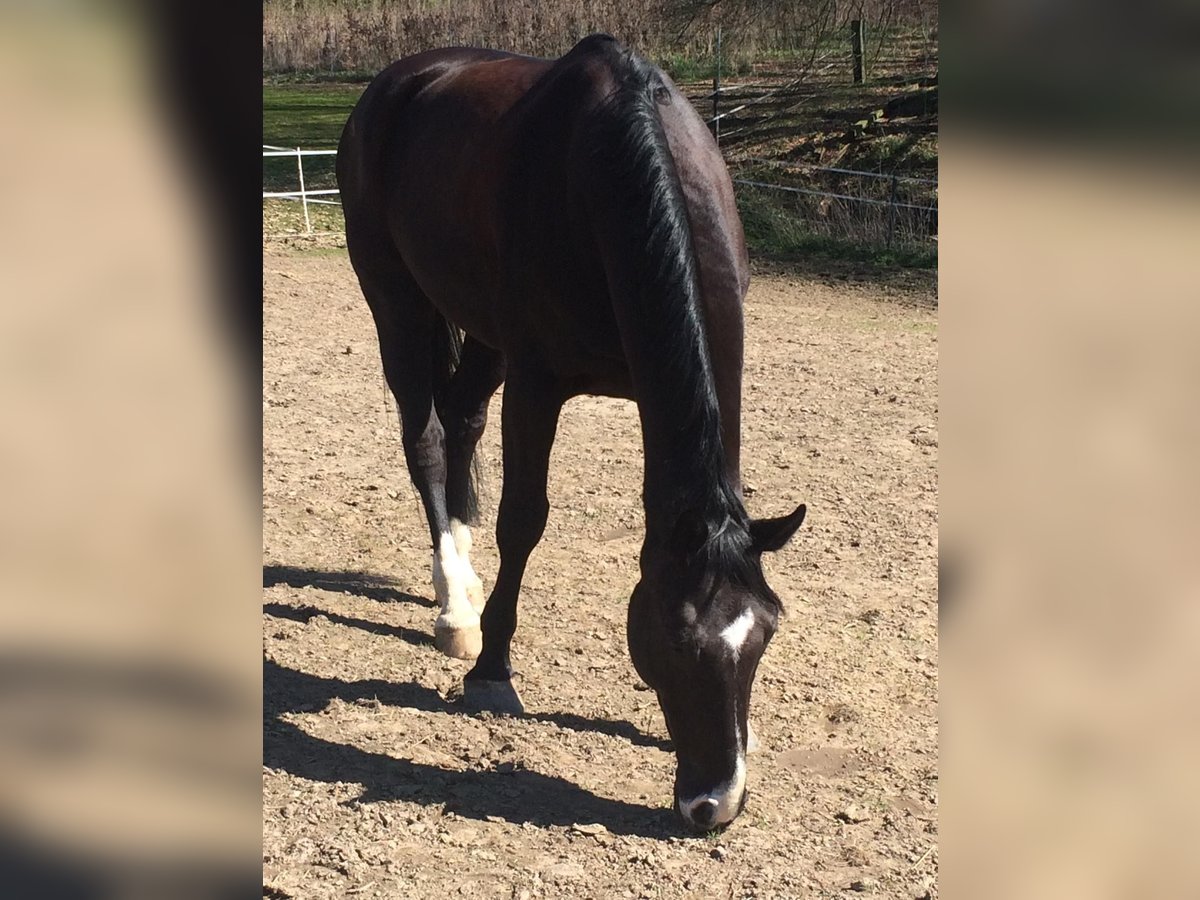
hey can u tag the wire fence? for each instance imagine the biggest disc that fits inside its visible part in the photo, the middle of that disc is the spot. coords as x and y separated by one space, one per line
749 112
876 208
846 203
854 85
888 102
892 208
789 218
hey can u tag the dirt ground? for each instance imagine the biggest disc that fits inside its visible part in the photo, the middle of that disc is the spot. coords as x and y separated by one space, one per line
376 785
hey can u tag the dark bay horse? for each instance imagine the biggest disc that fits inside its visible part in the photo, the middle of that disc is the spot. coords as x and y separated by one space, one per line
568 227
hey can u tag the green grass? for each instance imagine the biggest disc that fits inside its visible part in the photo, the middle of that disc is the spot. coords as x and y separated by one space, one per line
312 116
684 68
309 116
905 154
773 233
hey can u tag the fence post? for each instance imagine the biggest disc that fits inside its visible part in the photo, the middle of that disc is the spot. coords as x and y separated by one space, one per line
717 91
892 213
303 194
856 48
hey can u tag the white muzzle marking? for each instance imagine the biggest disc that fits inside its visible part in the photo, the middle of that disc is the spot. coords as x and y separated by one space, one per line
727 796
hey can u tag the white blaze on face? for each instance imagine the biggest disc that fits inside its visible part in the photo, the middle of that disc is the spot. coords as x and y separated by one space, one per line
452 576
735 633
727 796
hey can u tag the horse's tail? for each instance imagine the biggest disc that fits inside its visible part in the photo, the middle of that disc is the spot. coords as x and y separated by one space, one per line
447 353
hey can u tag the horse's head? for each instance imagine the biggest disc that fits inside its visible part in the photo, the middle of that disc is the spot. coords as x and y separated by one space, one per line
699 621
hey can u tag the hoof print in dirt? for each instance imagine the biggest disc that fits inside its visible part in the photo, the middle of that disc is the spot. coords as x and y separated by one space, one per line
498 697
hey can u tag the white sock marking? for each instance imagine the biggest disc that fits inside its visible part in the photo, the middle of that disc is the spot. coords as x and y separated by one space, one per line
735 633
451 577
462 539
463 544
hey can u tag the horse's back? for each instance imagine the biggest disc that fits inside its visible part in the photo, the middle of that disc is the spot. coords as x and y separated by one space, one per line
399 110
441 163
476 167
409 170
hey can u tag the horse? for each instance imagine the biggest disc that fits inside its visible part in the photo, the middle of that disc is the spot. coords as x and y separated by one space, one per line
568 227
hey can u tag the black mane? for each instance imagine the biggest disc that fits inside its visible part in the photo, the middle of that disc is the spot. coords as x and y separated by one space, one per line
640 183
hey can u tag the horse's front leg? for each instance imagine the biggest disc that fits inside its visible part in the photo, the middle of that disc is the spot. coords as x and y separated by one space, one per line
529 420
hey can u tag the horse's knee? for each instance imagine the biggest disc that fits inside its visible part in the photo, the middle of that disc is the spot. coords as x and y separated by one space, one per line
520 525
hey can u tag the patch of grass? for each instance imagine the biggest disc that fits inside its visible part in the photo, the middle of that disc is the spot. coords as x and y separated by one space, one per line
307 115
901 153
772 232
361 77
286 217
685 68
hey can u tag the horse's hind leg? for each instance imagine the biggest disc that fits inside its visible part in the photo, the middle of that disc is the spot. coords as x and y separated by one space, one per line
464 416
413 343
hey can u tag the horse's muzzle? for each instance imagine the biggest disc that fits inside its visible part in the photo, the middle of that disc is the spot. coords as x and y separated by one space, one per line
708 812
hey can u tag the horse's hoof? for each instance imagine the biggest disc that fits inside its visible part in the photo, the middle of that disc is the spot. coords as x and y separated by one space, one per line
476 595
458 643
752 744
492 696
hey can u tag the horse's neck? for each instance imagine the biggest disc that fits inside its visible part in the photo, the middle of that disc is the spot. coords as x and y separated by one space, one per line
685 461
667 348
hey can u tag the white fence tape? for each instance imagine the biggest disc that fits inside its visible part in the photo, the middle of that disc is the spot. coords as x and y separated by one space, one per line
303 195
307 197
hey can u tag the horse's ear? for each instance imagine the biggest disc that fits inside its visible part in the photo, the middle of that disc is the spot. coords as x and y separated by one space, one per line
691 532
771 534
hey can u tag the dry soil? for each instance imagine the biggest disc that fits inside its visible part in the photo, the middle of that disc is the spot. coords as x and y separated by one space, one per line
375 783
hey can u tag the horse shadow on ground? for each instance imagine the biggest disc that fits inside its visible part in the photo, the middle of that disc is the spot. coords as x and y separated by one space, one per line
360 584
612 727
518 796
307 612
